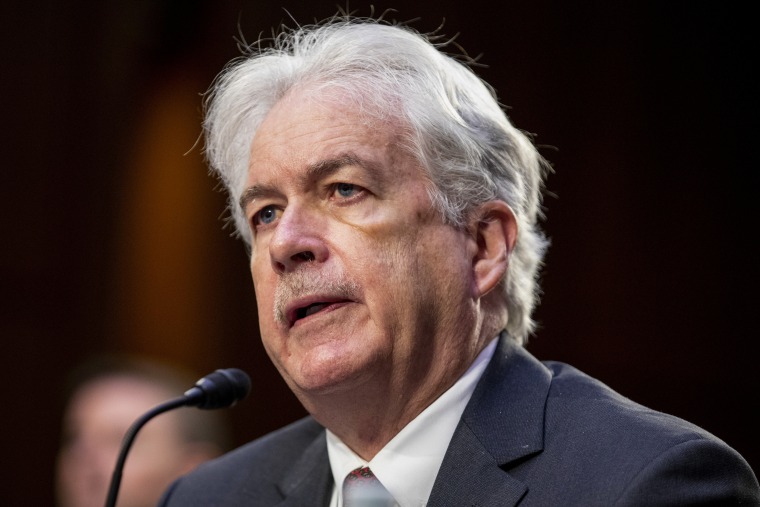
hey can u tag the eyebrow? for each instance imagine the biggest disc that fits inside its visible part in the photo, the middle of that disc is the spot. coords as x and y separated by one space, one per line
315 171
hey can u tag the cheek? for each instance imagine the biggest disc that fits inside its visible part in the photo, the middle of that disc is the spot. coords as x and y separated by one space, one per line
430 268
390 275
264 288
264 282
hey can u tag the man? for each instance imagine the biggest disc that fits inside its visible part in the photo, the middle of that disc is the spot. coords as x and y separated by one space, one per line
391 210
107 397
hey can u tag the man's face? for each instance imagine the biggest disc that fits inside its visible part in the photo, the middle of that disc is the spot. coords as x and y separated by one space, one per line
94 426
357 277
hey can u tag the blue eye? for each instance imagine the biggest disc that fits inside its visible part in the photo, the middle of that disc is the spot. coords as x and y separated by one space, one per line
266 215
345 189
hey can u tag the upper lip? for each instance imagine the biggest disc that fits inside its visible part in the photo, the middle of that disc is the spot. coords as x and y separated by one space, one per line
297 306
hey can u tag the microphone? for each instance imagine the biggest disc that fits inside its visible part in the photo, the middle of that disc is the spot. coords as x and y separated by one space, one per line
221 389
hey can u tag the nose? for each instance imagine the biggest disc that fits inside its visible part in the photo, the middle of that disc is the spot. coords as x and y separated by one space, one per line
298 239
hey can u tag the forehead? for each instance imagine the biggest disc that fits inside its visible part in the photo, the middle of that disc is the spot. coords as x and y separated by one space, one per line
308 125
114 398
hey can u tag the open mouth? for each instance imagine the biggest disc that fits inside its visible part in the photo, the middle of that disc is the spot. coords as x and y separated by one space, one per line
310 309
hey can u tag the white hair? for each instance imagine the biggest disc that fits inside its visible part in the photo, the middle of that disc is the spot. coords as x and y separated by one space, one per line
456 128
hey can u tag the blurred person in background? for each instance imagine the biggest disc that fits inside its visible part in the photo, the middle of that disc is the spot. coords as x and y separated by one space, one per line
106 396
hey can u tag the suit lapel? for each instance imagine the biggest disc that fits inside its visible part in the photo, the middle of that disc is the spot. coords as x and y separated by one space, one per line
470 476
503 423
309 482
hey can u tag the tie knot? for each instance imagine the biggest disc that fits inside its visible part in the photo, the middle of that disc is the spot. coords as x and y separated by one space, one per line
362 489
361 474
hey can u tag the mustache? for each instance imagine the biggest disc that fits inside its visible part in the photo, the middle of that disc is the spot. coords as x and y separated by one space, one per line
300 283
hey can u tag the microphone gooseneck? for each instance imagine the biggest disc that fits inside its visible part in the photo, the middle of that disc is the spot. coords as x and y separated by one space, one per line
220 389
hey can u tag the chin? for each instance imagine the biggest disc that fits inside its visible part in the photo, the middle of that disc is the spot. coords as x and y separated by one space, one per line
320 374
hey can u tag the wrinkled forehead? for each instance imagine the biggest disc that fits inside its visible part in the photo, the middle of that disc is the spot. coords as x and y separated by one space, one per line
326 118
368 107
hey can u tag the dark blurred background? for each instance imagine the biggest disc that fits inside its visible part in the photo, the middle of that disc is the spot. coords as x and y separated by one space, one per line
112 237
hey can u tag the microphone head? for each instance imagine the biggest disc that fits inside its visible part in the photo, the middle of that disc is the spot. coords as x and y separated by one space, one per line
220 389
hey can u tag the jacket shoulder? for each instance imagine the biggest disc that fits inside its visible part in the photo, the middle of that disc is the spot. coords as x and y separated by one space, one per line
645 456
252 470
578 405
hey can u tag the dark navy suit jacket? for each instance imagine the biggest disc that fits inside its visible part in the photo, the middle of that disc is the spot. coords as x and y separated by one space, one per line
533 434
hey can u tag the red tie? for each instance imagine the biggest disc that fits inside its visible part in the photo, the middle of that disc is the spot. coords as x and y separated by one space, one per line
362 489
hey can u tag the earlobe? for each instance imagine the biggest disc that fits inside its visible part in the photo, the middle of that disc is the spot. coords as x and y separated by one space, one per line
494 229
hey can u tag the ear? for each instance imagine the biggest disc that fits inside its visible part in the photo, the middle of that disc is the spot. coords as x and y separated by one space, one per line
494 229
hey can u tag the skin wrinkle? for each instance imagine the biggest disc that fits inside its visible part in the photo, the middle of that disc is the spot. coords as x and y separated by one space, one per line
410 323
305 282
445 115
322 169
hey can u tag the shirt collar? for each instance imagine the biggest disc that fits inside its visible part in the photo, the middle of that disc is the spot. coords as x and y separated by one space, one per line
408 465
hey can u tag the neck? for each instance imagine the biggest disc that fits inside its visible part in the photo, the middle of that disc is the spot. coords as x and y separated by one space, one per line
369 415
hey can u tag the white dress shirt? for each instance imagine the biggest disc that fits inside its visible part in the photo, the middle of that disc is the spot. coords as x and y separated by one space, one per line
408 465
